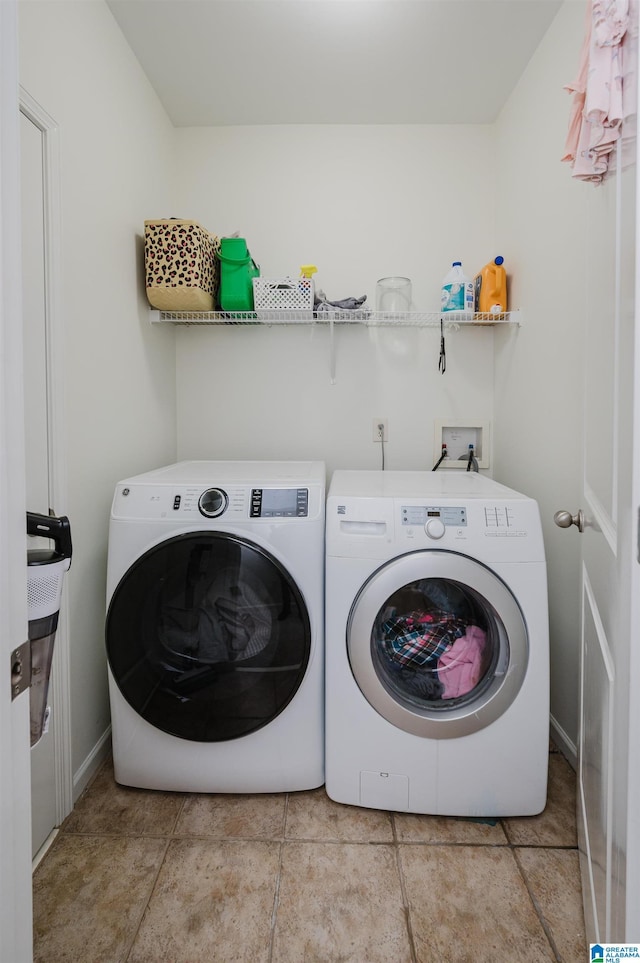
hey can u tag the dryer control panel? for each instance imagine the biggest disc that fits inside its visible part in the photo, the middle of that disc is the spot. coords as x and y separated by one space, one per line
228 502
279 503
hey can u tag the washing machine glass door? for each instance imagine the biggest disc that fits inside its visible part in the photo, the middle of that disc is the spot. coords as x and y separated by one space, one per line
208 637
437 644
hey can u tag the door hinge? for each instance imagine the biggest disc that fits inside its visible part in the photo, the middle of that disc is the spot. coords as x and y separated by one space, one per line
20 669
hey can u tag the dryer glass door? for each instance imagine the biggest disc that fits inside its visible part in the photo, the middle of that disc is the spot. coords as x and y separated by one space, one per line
437 644
208 637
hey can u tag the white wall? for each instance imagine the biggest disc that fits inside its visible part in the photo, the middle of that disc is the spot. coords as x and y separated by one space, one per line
360 202
541 228
116 153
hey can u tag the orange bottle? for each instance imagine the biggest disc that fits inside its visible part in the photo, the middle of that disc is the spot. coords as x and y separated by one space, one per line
491 288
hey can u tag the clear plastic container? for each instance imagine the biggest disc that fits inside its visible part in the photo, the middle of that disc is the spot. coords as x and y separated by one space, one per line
393 295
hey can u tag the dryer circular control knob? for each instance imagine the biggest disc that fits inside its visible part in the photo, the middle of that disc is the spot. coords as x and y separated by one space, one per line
435 528
213 502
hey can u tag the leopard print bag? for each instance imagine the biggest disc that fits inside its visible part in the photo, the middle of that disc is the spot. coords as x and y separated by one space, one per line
181 268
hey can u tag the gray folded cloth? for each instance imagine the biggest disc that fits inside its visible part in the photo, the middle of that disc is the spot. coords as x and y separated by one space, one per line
346 304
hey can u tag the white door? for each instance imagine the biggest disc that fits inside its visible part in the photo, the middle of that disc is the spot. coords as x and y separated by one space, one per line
15 824
609 738
51 789
43 786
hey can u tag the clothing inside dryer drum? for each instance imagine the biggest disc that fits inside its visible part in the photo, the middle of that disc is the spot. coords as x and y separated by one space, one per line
208 637
436 642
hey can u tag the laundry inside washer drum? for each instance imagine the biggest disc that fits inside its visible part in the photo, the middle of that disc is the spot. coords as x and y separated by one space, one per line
432 641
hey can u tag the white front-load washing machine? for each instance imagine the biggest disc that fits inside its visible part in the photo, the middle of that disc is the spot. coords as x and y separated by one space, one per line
214 630
437 650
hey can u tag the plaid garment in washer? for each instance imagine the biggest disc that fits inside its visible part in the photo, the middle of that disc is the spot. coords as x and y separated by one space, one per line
420 637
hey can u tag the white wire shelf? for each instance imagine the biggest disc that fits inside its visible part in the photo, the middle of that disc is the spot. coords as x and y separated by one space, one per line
366 318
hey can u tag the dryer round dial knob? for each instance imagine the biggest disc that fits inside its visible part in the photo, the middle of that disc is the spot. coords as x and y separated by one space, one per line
213 502
435 528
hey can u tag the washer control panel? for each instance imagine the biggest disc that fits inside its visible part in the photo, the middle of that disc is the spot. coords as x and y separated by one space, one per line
434 517
499 516
487 519
495 529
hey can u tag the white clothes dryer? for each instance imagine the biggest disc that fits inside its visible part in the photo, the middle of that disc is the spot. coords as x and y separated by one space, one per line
214 630
437 648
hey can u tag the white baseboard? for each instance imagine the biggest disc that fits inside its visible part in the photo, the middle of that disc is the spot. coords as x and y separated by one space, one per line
91 764
565 745
44 849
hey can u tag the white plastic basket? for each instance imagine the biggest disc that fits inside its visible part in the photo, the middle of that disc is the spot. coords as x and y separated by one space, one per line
278 297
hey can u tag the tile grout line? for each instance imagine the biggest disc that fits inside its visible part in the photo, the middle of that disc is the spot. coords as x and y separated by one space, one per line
331 841
543 922
276 895
179 813
403 891
276 902
168 837
145 906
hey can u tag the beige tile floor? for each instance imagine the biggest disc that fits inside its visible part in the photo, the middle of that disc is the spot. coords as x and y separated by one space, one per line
149 877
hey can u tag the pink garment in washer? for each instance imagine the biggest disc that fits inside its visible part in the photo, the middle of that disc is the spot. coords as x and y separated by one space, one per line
460 666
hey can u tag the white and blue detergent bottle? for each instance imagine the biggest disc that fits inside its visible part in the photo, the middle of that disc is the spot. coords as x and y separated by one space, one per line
457 293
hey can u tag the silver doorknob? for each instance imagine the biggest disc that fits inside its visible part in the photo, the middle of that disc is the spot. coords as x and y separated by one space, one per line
566 519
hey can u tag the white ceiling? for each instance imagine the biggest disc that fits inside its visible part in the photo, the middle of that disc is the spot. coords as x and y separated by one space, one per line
217 62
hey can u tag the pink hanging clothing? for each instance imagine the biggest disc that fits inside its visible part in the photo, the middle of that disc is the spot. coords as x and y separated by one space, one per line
600 95
460 667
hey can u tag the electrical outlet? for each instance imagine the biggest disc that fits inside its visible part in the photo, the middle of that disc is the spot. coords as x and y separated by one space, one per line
380 434
457 436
